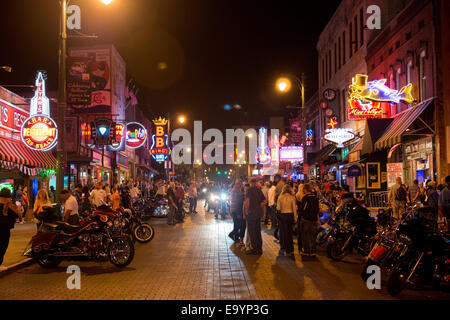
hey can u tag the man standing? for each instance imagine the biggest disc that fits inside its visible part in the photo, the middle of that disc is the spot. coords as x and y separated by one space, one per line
397 198
172 204
255 202
98 195
78 194
192 193
444 202
309 212
70 208
414 192
265 191
237 200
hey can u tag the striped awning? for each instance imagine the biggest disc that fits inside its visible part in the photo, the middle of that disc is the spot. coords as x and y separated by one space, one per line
18 153
402 121
357 147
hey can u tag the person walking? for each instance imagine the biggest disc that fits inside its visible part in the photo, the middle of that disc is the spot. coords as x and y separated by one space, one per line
309 212
288 211
8 215
298 197
272 206
397 198
179 195
192 194
171 199
237 200
255 202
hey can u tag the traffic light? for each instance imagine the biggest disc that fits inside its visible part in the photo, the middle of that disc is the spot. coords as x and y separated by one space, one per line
218 172
103 132
226 172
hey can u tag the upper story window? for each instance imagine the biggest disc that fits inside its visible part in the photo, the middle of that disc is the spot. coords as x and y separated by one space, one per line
350 40
421 24
355 24
361 27
422 76
343 48
408 71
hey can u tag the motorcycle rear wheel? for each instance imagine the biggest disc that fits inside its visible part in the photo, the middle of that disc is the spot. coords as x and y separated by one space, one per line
334 250
48 262
397 282
121 251
144 232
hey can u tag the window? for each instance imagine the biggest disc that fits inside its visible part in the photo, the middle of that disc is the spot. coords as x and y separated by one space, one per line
390 51
339 52
323 72
408 72
350 35
355 20
381 59
343 107
343 48
397 45
397 87
361 27
422 76
408 35
421 24
329 64
335 58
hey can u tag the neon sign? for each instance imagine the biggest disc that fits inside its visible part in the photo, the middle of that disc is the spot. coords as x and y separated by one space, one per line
366 97
332 123
263 150
39 131
291 153
339 136
136 135
160 141
309 136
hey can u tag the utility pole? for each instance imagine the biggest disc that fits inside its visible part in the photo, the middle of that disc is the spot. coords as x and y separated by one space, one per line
62 103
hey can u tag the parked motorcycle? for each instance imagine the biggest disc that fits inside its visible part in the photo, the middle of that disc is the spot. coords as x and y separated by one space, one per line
223 205
354 230
140 231
158 207
327 210
426 254
99 237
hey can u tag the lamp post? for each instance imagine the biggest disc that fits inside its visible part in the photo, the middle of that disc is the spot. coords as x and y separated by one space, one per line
283 85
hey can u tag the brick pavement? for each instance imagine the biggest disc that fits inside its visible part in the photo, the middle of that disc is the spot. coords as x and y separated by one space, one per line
196 260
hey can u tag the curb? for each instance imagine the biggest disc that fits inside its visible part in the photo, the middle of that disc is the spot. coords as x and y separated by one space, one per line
18 265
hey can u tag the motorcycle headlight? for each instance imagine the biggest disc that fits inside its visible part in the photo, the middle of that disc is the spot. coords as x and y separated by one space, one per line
223 196
213 197
204 190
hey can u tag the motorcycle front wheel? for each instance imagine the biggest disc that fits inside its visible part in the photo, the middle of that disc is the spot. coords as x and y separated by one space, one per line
322 237
48 262
121 251
334 249
143 232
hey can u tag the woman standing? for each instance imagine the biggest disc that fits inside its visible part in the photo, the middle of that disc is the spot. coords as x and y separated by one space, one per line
43 209
287 208
8 215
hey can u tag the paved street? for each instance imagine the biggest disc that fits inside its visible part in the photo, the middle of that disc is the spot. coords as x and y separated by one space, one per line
196 260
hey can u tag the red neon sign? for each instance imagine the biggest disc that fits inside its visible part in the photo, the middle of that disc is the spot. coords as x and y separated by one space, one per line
364 109
39 133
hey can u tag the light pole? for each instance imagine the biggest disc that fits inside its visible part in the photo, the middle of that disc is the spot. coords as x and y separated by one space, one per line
283 85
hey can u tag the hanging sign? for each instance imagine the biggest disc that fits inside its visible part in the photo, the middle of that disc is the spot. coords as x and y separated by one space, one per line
339 136
354 171
39 131
136 135
291 153
329 94
263 150
160 140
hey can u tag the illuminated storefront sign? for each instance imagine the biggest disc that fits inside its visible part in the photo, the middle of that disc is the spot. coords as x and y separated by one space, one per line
263 150
160 140
39 131
291 153
118 142
309 136
332 123
366 97
136 135
339 136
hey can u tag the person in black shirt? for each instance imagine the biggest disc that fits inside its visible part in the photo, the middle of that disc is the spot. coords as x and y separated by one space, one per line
255 201
171 199
309 212
8 215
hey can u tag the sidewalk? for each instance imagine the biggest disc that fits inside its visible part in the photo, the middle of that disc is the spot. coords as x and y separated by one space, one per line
20 236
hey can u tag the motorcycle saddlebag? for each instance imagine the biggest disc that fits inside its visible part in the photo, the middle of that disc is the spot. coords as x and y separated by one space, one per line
43 241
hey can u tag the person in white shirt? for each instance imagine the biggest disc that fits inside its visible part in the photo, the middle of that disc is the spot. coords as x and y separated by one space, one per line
98 195
70 208
272 205
134 192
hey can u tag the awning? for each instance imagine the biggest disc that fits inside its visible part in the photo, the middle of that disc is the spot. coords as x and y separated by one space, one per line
393 134
20 154
322 155
140 165
358 147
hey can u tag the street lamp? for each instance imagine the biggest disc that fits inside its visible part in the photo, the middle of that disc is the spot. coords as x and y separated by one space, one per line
107 2
283 84
6 68
181 119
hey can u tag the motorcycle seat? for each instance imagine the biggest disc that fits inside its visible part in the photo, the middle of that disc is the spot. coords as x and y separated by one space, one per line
70 228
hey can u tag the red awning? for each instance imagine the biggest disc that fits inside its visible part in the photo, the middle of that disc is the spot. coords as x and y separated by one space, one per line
20 154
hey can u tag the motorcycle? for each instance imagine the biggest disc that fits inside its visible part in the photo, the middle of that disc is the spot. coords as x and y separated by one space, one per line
426 255
99 237
355 229
213 203
223 206
140 231
326 222
158 207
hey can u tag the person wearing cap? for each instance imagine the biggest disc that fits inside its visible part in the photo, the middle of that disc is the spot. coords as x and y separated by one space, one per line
8 215
255 201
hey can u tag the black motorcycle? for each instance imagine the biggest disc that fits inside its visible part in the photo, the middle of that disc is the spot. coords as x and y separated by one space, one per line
355 229
140 231
426 256
327 223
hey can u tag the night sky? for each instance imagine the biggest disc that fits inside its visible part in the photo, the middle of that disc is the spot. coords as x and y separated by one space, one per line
216 52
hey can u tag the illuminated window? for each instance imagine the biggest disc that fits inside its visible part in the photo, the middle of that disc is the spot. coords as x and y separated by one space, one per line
408 71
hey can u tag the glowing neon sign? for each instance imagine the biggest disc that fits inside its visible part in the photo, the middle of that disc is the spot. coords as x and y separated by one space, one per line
309 136
136 135
291 153
263 150
160 141
339 136
332 123
39 131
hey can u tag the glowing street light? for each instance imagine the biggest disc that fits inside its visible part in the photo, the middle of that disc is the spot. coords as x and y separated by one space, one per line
283 84
181 119
107 2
